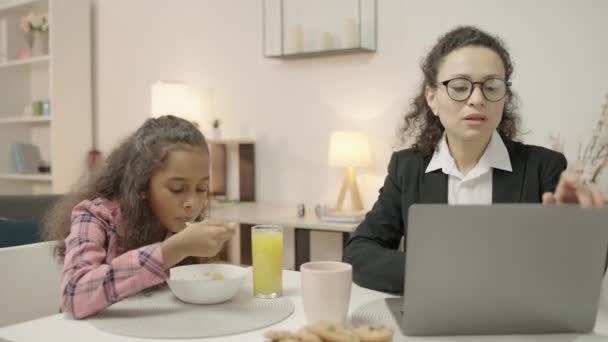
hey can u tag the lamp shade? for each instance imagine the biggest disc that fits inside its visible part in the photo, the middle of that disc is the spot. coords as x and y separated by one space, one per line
172 98
349 148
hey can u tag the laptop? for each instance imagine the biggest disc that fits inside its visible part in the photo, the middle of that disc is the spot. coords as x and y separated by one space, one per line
503 269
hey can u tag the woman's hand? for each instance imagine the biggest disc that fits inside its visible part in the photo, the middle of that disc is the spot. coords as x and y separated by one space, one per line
199 239
571 190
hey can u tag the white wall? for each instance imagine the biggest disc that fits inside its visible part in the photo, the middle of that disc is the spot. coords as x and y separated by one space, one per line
289 107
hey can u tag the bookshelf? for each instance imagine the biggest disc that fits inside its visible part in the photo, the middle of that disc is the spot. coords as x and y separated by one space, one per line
63 77
232 169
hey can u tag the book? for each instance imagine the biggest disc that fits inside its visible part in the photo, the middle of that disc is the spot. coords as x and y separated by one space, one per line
26 158
3 40
330 215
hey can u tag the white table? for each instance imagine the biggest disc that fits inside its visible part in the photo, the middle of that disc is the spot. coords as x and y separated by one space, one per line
251 213
61 328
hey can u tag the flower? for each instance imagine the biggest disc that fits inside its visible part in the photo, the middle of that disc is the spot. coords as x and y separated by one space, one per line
24 23
34 22
592 159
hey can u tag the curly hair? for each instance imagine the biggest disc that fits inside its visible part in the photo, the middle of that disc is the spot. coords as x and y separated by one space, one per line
420 122
124 177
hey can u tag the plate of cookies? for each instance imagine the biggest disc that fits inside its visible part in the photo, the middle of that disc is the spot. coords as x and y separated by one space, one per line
324 331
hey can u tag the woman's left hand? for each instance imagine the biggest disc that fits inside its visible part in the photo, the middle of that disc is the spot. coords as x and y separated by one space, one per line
571 190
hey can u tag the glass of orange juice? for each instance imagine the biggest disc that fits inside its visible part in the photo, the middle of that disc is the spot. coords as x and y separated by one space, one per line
267 259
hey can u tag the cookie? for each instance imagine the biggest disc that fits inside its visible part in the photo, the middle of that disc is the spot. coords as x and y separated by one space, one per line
374 333
332 332
279 335
305 335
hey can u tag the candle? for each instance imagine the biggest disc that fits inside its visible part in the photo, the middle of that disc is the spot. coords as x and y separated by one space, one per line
327 41
294 39
351 33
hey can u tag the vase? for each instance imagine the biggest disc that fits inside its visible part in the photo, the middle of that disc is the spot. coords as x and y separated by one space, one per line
28 39
40 45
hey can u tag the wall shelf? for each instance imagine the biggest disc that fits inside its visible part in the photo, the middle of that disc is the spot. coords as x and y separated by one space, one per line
337 52
302 29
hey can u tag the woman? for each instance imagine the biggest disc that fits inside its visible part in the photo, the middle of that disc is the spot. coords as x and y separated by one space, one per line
464 121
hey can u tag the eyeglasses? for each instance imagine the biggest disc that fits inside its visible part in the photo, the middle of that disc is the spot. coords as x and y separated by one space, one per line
460 89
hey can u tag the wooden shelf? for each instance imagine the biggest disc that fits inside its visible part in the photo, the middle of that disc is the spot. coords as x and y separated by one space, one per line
42 177
34 120
26 62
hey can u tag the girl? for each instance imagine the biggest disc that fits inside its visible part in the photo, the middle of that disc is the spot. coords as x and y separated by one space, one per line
121 233
464 121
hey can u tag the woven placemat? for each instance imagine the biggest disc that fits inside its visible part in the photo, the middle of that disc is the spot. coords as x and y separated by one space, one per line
383 311
161 315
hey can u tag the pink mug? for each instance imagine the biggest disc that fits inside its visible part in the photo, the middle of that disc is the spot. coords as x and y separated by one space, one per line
326 287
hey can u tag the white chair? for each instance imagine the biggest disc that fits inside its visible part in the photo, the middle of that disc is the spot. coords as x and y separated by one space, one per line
30 285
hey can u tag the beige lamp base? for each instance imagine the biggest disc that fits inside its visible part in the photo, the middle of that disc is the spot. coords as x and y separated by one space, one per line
350 184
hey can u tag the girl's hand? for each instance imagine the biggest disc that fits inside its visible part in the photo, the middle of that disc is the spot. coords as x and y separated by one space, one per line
199 239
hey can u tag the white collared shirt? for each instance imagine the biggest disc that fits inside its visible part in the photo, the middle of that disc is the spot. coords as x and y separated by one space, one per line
476 186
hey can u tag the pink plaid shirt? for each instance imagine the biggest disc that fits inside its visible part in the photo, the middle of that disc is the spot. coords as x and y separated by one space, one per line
95 275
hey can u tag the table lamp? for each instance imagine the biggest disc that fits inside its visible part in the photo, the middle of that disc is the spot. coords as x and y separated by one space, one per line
349 149
172 98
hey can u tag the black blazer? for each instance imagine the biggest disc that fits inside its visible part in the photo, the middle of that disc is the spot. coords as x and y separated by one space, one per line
373 248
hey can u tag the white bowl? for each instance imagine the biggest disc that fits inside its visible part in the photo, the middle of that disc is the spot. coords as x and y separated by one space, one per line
195 284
